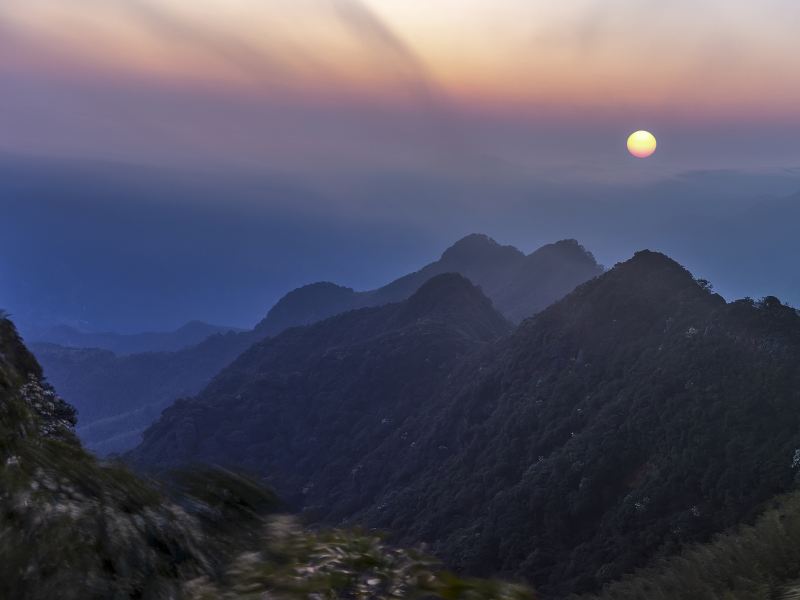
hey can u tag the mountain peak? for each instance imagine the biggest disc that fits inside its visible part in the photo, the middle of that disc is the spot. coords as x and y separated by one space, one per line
570 244
307 304
446 286
650 285
450 296
656 263
567 248
476 247
518 285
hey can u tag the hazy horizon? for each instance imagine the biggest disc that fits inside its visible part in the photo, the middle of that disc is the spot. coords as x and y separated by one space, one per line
127 248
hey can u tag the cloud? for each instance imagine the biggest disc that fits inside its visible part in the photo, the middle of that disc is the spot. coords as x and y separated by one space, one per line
389 47
262 64
271 61
17 45
379 36
234 50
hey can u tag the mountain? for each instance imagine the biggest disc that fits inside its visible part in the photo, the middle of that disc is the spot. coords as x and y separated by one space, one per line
638 414
74 528
332 390
751 562
190 334
119 396
518 285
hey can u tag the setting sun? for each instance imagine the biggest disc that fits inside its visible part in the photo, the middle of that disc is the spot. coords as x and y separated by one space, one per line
642 144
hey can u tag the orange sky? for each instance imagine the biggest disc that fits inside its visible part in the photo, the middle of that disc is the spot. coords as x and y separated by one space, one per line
695 57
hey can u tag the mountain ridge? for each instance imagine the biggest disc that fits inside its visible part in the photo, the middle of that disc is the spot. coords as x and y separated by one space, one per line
569 395
187 335
119 396
405 348
75 528
538 279
639 413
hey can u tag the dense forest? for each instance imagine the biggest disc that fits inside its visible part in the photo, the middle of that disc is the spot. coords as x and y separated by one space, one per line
639 414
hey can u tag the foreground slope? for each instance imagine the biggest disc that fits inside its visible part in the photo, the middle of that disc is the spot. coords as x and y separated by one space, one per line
306 405
69 527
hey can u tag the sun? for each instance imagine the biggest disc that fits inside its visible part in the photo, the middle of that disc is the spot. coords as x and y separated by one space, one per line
642 144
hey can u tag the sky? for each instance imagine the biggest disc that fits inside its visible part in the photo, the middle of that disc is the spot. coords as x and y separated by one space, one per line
172 159
315 84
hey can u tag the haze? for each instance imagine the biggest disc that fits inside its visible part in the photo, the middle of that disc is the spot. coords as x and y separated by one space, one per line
167 160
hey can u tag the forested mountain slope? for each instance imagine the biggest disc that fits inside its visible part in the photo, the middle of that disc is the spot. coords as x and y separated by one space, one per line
305 405
639 413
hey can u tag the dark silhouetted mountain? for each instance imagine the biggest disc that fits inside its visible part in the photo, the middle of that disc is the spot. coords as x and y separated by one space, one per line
543 277
118 396
518 285
334 389
190 334
639 413
306 305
